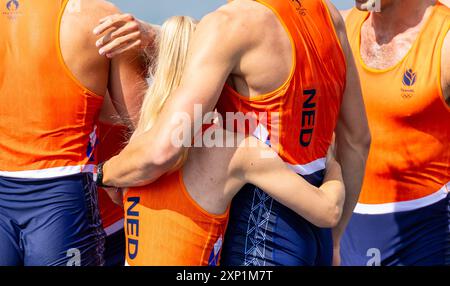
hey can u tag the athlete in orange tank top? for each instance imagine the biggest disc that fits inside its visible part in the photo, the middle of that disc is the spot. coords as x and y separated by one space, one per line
181 218
52 82
230 46
406 92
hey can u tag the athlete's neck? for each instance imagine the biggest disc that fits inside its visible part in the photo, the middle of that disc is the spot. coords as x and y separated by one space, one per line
399 16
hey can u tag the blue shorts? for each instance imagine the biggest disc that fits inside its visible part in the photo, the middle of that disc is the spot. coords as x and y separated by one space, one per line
50 222
413 238
115 249
262 232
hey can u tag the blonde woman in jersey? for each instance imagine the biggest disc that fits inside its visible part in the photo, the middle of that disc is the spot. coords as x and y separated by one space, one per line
181 218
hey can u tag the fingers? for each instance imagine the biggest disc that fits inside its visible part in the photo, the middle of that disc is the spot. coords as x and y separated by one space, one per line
128 28
124 34
124 49
113 21
118 43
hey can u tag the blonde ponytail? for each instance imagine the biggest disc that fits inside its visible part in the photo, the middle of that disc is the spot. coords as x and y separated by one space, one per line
172 52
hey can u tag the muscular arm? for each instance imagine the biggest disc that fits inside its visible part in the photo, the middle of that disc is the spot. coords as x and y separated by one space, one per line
321 206
127 85
445 67
216 46
352 133
123 77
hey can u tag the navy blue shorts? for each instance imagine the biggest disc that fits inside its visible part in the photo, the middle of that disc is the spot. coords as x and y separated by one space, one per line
115 249
262 232
50 222
419 237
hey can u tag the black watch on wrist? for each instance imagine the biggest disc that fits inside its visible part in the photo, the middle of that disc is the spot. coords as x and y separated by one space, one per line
99 176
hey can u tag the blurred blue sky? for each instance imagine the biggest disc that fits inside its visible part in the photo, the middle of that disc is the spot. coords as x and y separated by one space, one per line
156 11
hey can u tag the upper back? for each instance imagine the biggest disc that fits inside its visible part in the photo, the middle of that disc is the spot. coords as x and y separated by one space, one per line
296 68
257 73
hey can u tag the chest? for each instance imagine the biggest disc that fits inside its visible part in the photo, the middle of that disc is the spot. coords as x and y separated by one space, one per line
380 51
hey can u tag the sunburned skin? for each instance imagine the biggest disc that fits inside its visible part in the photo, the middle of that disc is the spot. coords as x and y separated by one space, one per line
122 77
386 43
384 48
379 54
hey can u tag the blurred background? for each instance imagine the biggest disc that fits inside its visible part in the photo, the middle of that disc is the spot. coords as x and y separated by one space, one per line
156 11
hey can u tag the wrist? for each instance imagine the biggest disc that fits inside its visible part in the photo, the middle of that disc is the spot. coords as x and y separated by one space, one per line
336 240
99 176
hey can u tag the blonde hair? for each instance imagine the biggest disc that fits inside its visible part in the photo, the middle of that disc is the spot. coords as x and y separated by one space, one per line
172 53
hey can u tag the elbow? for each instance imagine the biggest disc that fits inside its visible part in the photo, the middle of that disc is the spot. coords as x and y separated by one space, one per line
162 159
331 218
335 216
366 142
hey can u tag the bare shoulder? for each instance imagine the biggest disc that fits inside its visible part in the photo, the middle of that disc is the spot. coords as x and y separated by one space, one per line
339 26
232 21
89 12
337 17
446 68
98 8
78 42
85 15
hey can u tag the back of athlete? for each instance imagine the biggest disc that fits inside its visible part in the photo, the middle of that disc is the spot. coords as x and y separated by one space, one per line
294 67
52 82
298 96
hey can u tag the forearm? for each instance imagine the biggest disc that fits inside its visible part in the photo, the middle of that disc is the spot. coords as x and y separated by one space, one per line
352 158
321 206
137 166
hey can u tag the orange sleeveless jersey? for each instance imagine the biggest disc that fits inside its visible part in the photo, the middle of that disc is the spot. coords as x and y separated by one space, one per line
164 226
298 119
46 116
409 161
112 139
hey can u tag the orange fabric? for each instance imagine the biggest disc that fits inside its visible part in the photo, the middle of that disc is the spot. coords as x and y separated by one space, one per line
46 116
112 139
168 228
308 103
408 117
